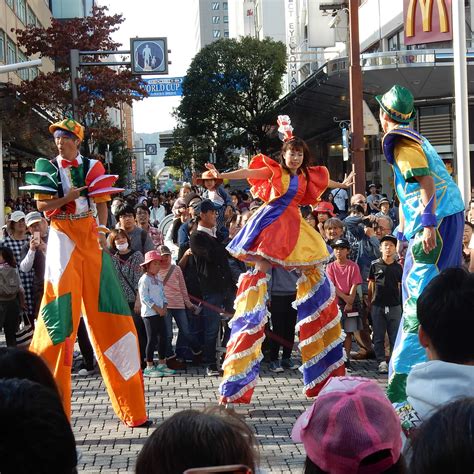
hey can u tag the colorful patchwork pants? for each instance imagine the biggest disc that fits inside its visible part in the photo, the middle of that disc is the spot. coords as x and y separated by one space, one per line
418 271
80 278
319 333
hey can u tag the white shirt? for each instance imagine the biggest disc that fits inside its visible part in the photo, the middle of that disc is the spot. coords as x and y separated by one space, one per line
340 198
82 204
211 232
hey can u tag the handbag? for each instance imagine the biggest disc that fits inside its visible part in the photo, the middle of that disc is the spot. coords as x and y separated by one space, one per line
25 331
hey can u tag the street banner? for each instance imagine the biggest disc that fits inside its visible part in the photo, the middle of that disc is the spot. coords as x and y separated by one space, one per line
163 87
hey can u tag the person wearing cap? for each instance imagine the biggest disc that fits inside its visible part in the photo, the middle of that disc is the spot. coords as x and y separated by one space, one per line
373 199
350 428
80 281
386 211
345 275
214 275
431 220
153 310
16 239
33 255
218 195
385 279
323 211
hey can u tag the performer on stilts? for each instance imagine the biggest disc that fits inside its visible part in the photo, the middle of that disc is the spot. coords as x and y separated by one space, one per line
80 279
431 220
278 235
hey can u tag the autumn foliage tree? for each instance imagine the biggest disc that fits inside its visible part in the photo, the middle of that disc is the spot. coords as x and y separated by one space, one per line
99 87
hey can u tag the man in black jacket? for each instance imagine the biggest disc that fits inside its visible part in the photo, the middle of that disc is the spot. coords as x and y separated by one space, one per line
214 276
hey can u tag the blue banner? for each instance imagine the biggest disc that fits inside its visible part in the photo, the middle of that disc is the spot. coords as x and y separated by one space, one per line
163 87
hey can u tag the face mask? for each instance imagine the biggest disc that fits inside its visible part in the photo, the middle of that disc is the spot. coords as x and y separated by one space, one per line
122 247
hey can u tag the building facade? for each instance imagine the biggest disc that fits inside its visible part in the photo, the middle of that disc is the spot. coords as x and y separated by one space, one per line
21 145
213 21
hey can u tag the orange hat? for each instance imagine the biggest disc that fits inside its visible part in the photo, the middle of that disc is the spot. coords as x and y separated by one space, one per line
208 175
324 206
69 125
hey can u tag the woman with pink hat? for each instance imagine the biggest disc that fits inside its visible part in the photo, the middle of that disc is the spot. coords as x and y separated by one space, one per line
153 311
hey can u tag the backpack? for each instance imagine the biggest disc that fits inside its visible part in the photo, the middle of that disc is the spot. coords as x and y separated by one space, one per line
9 283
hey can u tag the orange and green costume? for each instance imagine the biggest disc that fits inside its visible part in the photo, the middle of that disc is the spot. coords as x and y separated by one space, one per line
80 281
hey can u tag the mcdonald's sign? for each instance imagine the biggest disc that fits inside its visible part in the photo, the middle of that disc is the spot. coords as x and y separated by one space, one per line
427 21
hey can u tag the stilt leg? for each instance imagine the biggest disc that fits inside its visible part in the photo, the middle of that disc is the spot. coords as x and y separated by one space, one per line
242 363
320 334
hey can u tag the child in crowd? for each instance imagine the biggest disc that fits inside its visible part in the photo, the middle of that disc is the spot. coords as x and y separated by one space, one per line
218 195
153 311
191 439
10 294
444 310
178 300
345 275
350 428
323 211
384 296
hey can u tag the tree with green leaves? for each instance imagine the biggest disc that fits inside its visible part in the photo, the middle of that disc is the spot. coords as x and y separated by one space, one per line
228 90
186 153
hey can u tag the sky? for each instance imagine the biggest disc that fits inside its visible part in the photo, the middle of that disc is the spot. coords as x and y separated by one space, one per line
173 19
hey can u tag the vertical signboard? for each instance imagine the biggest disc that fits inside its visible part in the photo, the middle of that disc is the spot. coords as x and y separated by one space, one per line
427 21
291 44
149 55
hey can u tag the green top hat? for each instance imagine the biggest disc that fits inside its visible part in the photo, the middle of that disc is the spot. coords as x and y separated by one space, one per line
398 104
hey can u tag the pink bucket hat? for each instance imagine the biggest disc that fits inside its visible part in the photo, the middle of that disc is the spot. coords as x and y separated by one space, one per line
350 420
150 256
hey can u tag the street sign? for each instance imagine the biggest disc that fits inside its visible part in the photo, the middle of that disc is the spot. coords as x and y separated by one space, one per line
149 55
151 149
163 87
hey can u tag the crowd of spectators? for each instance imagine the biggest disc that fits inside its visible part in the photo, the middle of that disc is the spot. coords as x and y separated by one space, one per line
185 234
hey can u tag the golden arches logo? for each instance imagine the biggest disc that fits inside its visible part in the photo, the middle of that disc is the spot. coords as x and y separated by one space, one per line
426 7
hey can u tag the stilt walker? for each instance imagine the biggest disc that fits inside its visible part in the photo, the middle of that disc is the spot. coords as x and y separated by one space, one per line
431 220
80 278
278 235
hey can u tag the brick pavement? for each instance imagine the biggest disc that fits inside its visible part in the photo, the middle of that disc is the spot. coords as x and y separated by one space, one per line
107 446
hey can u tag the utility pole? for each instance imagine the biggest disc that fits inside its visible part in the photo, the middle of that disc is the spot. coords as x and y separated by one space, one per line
461 101
356 97
74 65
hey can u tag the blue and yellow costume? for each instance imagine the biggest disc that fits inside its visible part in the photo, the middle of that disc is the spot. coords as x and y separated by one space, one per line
411 156
278 233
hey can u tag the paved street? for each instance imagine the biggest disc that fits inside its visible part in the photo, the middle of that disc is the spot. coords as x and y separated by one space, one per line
107 446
